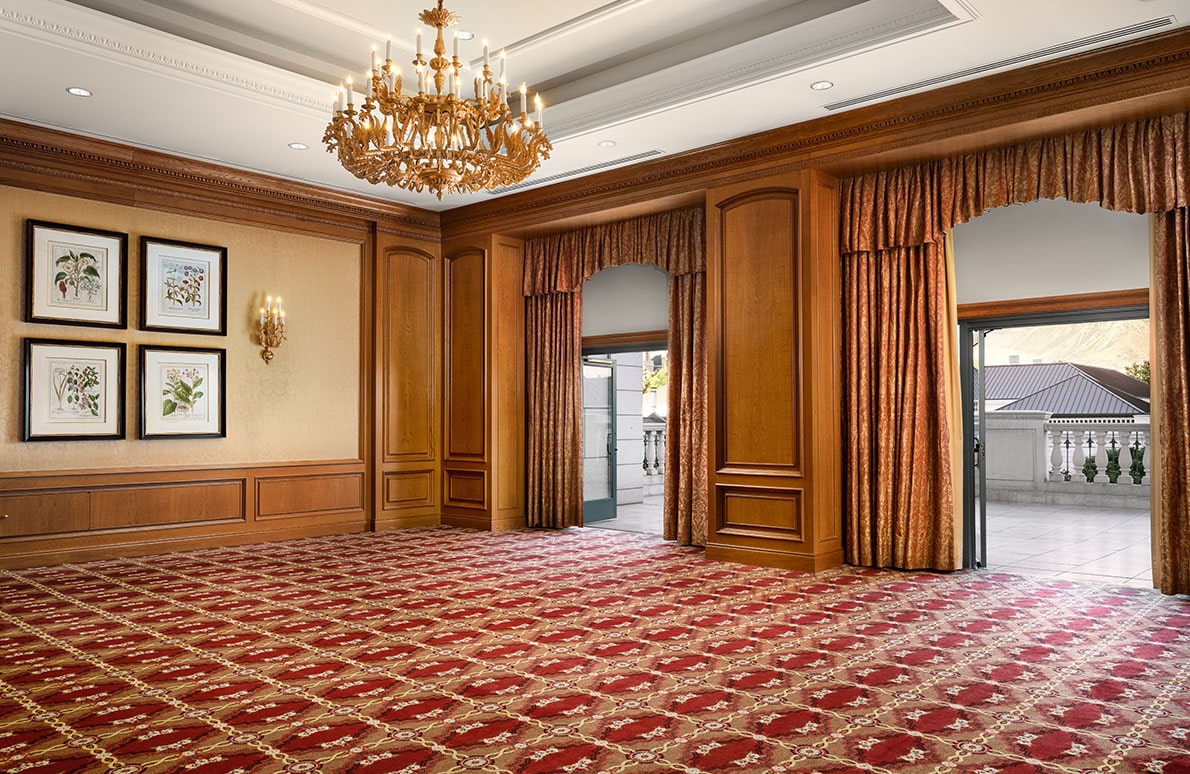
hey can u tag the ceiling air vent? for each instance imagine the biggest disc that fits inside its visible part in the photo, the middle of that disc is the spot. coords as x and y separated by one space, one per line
535 181
1016 61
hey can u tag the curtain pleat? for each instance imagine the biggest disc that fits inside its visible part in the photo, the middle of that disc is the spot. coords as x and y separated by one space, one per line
553 345
1140 167
1172 326
686 429
556 267
901 495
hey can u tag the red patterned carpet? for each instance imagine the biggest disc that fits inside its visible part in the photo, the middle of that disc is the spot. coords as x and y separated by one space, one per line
584 651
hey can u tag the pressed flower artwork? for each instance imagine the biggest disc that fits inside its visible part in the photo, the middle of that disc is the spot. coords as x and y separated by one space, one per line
74 390
184 286
182 392
77 275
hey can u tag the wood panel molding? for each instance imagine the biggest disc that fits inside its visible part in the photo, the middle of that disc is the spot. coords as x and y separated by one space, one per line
759 414
465 342
618 340
1079 302
287 497
409 489
409 357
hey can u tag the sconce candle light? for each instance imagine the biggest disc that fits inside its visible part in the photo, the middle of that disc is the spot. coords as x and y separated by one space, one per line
270 328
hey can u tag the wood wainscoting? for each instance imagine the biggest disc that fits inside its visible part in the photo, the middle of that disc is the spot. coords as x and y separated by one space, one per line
74 516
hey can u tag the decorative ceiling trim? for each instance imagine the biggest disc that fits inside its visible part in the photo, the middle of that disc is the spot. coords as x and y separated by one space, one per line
1069 47
679 89
34 26
572 26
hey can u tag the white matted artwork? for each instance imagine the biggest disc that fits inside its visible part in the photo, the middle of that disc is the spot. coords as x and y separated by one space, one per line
76 275
183 286
74 390
182 392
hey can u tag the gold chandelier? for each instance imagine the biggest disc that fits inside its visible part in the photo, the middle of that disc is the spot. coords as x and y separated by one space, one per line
436 140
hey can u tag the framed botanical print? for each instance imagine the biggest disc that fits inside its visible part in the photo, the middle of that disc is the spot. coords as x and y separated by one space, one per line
182 392
183 287
74 390
75 275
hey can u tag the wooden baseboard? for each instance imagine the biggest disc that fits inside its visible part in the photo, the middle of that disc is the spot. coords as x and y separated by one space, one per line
764 558
407 522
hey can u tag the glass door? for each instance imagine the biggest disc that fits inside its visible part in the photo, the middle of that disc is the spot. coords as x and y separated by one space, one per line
974 388
599 440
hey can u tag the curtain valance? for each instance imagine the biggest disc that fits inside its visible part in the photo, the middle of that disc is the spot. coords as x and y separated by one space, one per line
560 263
1138 167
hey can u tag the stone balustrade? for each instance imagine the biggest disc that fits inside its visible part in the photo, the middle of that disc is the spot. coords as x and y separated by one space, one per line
1033 458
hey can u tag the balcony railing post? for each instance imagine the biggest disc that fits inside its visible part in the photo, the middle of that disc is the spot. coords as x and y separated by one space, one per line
1147 441
1056 456
1076 465
1126 459
659 452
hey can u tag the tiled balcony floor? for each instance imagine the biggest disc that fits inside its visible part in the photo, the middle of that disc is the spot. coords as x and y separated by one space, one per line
1107 545
638 517
1104 545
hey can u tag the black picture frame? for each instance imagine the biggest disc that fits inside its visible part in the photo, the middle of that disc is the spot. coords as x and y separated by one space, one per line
182 392
73 390
183 287
75 275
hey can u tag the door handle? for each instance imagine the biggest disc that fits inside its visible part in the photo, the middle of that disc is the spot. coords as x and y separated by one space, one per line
609 444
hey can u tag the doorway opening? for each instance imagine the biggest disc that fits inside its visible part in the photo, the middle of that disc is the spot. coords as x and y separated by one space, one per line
624 411
1057 472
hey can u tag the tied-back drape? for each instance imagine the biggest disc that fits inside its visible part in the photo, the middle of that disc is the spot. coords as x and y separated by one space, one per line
555 268
1140 167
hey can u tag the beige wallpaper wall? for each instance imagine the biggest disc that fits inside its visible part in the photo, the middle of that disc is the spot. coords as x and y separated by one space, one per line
303 406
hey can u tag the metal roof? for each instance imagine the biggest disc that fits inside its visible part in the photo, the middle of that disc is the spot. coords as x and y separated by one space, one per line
1067 390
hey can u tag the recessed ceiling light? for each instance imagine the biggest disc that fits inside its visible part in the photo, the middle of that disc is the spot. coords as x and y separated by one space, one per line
821 85
299 146
465 35
607 143
78 91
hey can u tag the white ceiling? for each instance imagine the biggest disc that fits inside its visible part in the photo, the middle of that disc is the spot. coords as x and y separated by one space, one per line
236 81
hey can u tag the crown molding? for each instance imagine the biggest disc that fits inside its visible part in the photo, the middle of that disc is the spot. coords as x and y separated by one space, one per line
61 162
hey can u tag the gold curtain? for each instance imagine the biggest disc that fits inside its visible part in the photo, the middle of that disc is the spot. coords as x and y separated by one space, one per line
1141 167
1171 295
553 344
686 429
901 494
556 266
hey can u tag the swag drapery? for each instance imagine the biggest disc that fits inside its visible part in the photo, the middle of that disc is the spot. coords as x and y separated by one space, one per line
555 268
894 225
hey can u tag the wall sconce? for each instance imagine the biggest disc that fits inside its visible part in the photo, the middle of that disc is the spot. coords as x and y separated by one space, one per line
270 328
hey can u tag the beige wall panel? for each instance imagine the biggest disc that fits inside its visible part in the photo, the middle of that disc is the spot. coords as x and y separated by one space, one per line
304 406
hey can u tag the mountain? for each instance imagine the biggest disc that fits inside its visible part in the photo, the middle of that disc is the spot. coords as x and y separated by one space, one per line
1115 344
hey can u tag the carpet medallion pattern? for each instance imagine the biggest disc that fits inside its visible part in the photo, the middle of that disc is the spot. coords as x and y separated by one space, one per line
446 650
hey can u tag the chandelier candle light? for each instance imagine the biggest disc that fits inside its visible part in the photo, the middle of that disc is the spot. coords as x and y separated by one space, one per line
270 328
436 140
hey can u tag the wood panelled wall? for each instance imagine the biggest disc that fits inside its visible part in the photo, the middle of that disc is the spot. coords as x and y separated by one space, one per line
774 317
